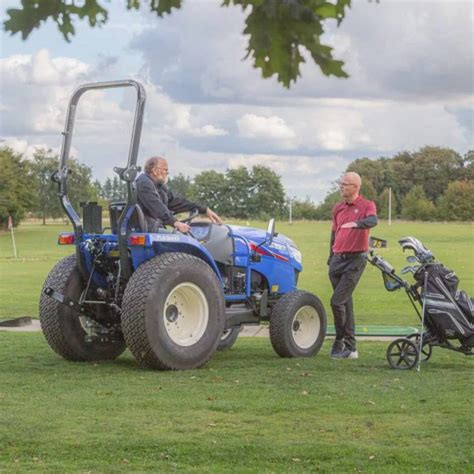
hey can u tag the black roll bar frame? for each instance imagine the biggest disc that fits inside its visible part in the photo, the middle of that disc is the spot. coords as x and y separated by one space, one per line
127 174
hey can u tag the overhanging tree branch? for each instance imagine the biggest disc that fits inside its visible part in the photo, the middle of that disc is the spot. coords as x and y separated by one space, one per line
278 30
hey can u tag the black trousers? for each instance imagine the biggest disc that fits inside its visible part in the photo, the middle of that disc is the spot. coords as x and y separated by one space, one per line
344 274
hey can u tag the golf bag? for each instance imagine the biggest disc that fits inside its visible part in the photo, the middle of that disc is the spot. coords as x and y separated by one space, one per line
448 311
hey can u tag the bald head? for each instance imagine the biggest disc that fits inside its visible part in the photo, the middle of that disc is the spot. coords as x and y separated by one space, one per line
353 178
350 186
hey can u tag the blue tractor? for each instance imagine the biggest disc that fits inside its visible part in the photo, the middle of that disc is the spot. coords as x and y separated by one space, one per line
172 299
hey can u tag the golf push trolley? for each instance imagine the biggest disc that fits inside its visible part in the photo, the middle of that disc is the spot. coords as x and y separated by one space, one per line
446 314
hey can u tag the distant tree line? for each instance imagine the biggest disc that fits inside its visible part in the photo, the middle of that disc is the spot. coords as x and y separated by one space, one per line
26 186
241 192
26 189
430 184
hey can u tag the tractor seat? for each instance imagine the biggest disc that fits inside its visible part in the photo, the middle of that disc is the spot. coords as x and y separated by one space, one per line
216 239
137 221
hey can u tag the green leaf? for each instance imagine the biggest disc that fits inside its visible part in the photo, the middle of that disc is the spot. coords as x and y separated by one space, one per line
278 30
161 7
34 12
133 4
326 10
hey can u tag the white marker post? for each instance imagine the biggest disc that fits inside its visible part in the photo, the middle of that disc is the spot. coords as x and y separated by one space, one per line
389 206
10 228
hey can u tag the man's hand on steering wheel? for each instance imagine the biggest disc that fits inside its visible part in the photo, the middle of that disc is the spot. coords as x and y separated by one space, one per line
213 217
182 227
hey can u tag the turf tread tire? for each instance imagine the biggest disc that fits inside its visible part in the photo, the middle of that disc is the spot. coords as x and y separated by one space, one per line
280 324
134 305
227 342
59 323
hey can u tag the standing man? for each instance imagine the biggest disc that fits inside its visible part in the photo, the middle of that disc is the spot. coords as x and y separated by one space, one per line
159 203
351 220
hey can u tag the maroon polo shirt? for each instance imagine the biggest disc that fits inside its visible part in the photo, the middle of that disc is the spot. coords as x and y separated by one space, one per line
354 239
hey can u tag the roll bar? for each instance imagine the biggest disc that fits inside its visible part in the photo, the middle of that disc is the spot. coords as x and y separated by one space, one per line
127 174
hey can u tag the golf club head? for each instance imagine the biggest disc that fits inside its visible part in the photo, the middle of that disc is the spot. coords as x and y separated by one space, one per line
421 252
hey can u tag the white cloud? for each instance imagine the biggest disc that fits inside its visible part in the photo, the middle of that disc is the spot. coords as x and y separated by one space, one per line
173 118
28 149
41 70
392 49
302 176
35 89
276 163
411 85
368 127
209 131
408 68
266 128
164 113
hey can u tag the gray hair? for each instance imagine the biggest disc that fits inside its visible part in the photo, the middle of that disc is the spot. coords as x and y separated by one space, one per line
151 163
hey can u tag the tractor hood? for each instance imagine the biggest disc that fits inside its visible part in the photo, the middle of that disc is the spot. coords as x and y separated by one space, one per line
259 235
281 247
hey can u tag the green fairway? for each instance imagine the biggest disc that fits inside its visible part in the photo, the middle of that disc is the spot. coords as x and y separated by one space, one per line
452 244
247 410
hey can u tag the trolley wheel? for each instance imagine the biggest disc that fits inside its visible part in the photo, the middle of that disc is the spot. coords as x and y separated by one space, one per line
426 350
402 354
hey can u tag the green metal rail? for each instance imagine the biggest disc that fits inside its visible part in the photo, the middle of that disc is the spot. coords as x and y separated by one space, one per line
372 330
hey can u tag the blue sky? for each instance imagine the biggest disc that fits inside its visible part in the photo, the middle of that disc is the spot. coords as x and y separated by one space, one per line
411 84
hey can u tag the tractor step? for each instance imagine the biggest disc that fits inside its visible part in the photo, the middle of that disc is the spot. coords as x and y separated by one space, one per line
237 315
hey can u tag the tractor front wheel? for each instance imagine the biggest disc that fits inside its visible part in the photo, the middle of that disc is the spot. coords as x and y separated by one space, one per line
298 325
229 336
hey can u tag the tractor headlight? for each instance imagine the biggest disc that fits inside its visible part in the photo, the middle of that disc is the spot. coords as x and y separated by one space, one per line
296 254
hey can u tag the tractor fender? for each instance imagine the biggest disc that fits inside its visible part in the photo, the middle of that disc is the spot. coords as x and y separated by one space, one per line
158 244
192 249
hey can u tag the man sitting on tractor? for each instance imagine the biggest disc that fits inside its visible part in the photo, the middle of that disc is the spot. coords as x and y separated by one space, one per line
159 203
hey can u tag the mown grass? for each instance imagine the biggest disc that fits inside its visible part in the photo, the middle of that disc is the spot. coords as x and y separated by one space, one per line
21 281
246 411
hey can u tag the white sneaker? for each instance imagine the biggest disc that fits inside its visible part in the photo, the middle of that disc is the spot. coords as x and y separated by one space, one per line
345 354
353 355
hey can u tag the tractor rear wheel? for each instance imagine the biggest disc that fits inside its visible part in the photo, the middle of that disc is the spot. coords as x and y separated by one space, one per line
173 312
65 330
298 325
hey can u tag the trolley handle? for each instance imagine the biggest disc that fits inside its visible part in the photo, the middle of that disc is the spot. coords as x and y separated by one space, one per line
381 264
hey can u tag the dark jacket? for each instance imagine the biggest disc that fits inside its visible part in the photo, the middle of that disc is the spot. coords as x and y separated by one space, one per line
158 202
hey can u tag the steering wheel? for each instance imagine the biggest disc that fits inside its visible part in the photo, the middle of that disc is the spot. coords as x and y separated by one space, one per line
192 214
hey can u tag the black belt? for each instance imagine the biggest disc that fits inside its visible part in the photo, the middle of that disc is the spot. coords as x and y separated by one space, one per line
350 255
